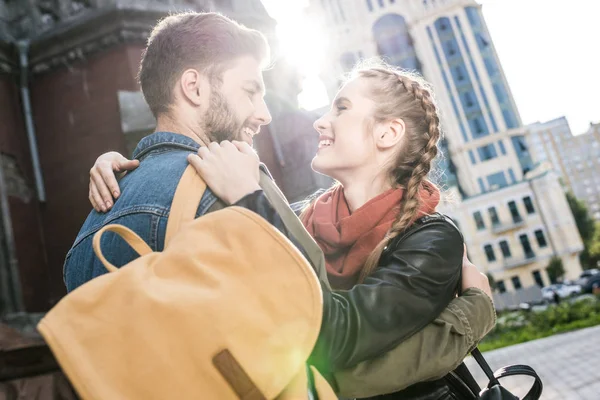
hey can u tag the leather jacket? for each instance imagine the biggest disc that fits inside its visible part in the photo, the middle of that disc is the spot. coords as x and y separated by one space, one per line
418 275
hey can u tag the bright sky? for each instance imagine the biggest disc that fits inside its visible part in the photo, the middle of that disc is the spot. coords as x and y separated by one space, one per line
549 51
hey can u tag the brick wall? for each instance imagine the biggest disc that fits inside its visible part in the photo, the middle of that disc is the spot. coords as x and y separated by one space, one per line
76 115
24 209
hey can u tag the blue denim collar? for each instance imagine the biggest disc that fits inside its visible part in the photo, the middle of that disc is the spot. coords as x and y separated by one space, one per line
164 139
174 140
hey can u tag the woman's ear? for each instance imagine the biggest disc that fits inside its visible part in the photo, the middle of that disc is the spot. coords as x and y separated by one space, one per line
390 133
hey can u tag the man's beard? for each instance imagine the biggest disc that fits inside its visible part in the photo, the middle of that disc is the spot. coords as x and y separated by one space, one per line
220 122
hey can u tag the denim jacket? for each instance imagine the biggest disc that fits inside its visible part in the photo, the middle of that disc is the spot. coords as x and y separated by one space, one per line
163 158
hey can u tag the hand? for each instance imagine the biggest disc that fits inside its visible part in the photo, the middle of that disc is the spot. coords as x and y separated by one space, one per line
471 277
230 169
103 182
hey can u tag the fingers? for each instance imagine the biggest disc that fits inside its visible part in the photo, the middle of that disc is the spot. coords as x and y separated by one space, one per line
96 199
196 162
227 145
103 198
214 147
110 181
204 153
244 148
92 200
126 165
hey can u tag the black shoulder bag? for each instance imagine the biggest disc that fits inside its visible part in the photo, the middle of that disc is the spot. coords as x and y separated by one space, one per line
464 386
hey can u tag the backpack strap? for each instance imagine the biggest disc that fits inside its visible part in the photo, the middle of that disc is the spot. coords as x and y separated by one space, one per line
127 235
294 225
187 196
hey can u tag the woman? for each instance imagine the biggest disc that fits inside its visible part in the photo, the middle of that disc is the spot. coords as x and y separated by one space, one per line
390 258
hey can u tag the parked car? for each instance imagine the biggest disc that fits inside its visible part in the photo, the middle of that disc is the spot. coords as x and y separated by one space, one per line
562 289
585 275
592 284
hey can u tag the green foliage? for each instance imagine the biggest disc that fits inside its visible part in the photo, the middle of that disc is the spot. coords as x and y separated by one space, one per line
585 224
555 269
523 326
589 231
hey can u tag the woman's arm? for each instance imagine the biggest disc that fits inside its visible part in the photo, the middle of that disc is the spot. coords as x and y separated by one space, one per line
428 354
408 291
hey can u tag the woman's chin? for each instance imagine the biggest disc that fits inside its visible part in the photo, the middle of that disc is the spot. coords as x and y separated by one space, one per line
319 166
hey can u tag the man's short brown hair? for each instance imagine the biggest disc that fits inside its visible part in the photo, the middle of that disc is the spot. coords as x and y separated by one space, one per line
205 41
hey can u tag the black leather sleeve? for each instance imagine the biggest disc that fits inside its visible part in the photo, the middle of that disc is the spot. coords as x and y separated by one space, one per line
415 281
412 286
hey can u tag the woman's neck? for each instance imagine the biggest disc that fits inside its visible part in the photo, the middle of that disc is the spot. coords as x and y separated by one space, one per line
359 191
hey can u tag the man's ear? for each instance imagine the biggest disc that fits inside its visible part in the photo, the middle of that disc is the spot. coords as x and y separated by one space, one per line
389 134
195 87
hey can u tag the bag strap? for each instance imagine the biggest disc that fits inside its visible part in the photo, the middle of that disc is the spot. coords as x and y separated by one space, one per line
484 366
127 235
189 192
518 369
294 225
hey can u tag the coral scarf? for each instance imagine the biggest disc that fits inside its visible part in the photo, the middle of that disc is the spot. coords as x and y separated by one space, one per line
347 238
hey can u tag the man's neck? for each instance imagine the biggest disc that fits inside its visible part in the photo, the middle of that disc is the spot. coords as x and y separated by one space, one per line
167 124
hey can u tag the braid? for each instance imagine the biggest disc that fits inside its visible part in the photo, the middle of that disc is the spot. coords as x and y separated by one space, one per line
410 173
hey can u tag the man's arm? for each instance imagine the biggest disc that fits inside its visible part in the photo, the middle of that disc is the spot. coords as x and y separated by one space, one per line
429 354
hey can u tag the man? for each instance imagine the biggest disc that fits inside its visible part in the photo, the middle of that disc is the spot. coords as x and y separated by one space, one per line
201 75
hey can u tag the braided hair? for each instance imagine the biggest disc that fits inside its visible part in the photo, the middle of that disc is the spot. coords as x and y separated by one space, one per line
401 94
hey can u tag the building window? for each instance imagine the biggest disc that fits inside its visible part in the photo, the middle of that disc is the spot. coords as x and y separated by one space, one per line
528 205
514 212
482 41
526 246
479 220
489 252
502 149
505 249
497 181
460 76
513 178
478 126
481 185
541 239
537 277
370 5
472 157
501 287
487 152
469 100
494 216
381 5
516 281
450 47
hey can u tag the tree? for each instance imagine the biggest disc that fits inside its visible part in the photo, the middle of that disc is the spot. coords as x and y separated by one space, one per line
594 249
587 230
555 269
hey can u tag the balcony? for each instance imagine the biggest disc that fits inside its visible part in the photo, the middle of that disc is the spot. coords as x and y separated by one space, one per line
502 227
529 258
